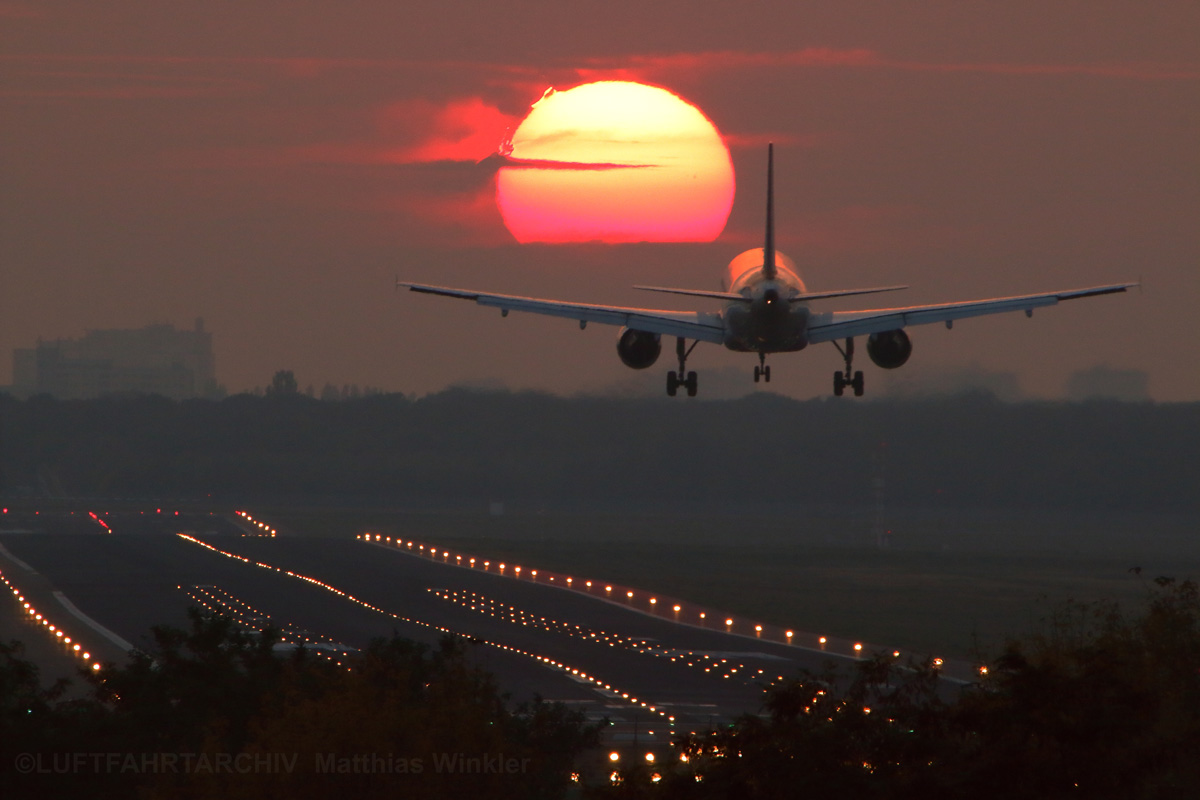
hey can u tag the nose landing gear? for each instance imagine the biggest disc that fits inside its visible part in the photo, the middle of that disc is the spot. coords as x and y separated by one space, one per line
762 370
843 379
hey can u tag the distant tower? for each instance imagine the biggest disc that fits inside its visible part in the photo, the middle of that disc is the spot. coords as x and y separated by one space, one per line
879 531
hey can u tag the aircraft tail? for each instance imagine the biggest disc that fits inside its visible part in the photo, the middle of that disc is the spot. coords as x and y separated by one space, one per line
769 271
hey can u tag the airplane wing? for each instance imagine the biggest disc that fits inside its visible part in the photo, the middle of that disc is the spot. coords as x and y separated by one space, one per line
830 325
704 326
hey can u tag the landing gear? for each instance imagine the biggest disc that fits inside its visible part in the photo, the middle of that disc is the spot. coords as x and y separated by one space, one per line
674 382
685 379
762 370
840 383
842 379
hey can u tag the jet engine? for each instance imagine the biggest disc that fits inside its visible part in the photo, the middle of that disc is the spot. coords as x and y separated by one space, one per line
638 349
889 349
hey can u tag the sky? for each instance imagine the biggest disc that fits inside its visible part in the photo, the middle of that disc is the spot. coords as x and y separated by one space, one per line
274 167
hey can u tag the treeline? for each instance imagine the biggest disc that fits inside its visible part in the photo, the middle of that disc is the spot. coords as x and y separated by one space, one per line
1099 704
466 449
215 711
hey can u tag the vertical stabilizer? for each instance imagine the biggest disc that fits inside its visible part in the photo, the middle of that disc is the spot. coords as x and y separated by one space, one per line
769 244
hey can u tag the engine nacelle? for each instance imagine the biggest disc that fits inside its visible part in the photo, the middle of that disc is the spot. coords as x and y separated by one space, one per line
638 349
889 349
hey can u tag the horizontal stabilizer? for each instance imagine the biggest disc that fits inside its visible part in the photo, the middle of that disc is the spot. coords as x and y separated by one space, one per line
794 297
694 292
844 292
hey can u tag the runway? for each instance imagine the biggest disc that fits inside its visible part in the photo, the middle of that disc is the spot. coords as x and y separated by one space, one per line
652 665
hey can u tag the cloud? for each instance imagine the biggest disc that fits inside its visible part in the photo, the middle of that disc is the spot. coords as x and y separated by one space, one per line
466 129
658 67
646 67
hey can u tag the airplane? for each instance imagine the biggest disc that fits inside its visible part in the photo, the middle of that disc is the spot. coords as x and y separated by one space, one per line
767 310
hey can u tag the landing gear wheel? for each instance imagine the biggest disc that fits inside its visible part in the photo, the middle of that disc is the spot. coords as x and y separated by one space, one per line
766 373
681 378
757 374
842 379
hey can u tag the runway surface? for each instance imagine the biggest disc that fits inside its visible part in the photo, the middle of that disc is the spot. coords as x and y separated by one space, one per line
594 647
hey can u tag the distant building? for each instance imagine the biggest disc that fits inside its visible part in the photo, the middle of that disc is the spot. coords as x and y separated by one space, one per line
947 381
157 359
1105 382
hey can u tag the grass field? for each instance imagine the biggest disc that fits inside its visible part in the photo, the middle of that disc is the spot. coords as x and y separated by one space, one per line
950 583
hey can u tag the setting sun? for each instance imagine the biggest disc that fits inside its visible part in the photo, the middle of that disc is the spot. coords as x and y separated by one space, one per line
615 161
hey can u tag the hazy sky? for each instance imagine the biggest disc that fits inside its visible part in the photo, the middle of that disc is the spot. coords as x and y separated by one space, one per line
272 167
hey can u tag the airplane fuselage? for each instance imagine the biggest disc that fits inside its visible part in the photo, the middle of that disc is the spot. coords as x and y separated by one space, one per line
771 322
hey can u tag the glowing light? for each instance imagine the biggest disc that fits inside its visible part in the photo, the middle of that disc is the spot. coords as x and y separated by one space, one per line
615 161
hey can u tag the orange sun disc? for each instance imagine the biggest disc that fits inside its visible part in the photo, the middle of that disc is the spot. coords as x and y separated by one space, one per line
615 161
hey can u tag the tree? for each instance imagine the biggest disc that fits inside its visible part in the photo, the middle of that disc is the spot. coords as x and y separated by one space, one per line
283 383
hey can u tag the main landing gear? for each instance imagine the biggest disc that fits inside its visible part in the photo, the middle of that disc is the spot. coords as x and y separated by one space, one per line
762 370
674 380
842 379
